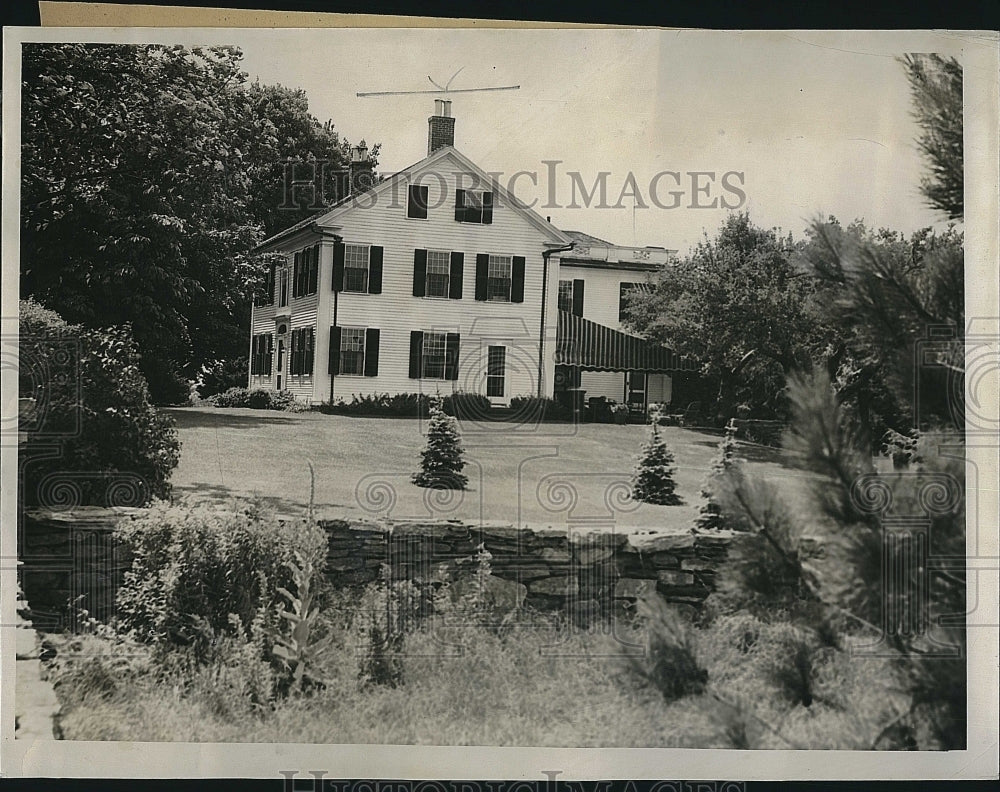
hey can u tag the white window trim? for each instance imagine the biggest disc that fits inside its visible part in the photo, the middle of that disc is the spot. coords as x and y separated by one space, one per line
427 273
423 355
510 277
368 267
364 351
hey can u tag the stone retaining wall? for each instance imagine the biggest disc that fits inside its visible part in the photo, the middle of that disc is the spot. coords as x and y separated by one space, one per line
554 566
70 556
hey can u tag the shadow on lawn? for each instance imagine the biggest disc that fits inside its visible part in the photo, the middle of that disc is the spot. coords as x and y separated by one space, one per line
193 417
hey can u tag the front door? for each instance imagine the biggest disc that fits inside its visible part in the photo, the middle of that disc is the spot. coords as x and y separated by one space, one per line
496 374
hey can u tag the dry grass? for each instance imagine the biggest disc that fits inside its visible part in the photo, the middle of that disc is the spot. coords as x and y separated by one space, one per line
528 685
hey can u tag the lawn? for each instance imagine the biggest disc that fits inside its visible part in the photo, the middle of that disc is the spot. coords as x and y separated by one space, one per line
526 475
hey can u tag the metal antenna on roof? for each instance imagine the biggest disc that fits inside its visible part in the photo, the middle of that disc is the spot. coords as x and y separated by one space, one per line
445 89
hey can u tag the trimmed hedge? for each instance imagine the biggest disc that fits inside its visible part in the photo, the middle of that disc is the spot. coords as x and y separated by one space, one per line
258 399
409 405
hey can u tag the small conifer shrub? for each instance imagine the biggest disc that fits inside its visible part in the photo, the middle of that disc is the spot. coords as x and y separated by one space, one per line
710 515
653 480
442 459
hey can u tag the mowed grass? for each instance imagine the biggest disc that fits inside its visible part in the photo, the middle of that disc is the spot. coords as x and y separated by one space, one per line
550 474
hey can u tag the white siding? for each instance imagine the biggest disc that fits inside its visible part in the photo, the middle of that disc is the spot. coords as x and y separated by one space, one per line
396 312
602 289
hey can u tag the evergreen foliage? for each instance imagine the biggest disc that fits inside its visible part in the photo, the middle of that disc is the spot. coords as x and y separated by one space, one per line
442 459
653 480
710 516
936 87
843 596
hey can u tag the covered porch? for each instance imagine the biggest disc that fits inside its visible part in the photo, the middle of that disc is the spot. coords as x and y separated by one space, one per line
607 375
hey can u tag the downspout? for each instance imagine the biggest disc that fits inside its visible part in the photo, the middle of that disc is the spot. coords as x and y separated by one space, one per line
541 326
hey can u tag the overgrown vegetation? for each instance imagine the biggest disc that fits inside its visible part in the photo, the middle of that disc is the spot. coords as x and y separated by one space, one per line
442 660
83 391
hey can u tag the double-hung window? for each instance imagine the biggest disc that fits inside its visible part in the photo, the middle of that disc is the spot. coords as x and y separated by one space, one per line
356 258
352 350
438 273
498 279
433 356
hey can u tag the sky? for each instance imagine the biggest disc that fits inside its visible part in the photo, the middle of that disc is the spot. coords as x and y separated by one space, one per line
805 124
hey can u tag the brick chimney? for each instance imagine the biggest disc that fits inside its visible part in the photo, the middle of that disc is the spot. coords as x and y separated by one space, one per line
361 169
440 127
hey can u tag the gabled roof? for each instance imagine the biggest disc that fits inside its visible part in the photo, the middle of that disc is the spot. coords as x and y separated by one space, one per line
346 205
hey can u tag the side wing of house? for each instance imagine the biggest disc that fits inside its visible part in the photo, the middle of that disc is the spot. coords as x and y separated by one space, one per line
594 284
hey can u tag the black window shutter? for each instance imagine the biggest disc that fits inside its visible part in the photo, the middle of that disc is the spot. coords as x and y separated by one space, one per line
310 349
451 356
482 273
416 206
416 350
455 277
295 275
371 352
334 356
578 297
293 364
314 270
419 272
517 280
268 354
338 266
253 353
460 206
487 208
375 270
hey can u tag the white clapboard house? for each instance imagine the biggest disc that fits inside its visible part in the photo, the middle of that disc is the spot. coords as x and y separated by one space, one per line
436 279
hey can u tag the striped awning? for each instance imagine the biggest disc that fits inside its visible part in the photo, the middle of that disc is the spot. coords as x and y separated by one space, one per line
595 347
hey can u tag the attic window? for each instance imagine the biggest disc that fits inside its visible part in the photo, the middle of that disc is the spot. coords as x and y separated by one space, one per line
416 205
474 207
